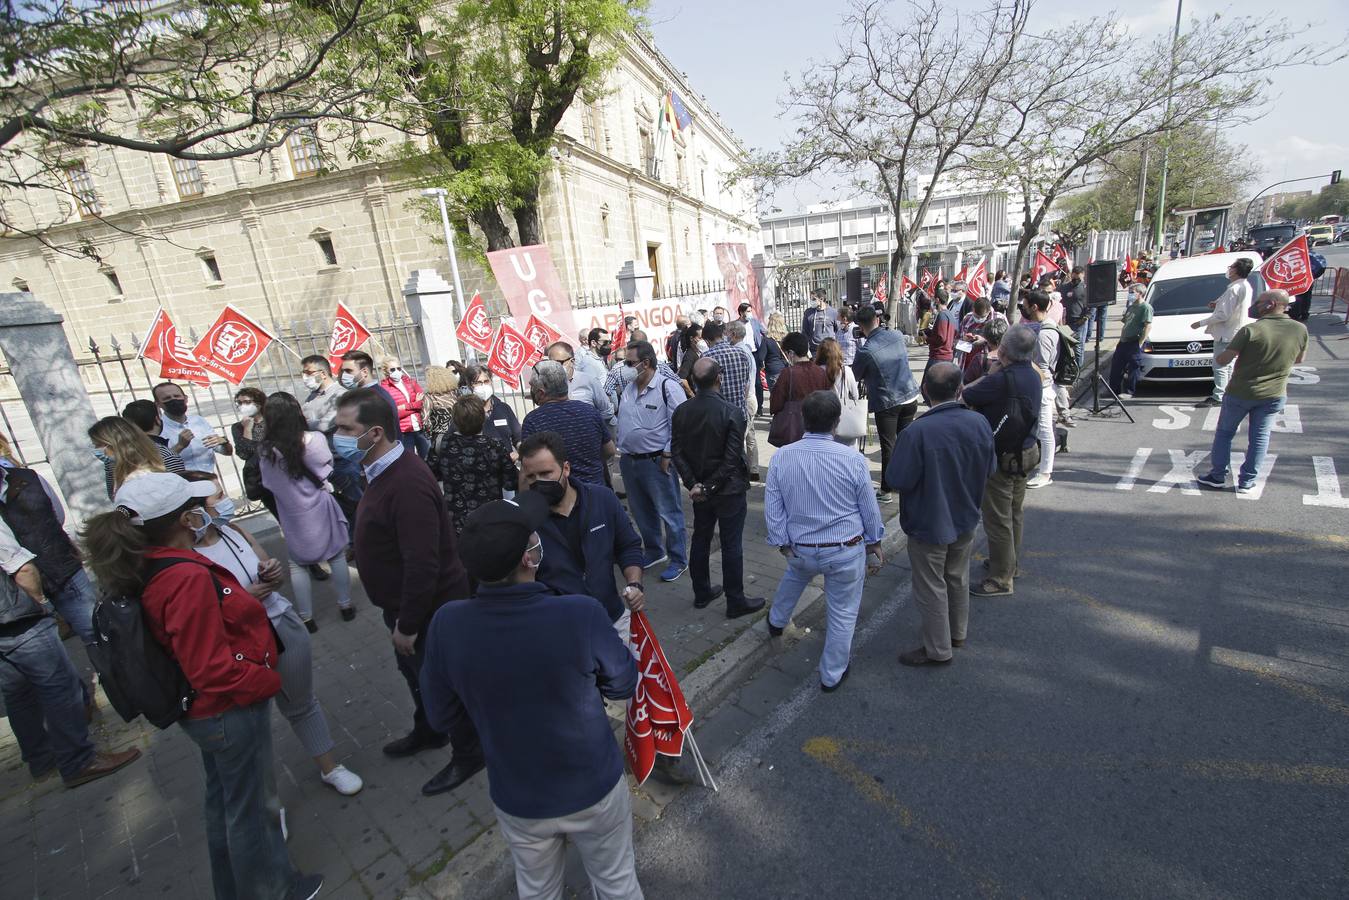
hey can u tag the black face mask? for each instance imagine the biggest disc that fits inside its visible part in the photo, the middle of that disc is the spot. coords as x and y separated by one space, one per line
551 491
176 407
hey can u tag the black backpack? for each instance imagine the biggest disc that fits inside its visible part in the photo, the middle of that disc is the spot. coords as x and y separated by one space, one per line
1065 367
1014 426
140 676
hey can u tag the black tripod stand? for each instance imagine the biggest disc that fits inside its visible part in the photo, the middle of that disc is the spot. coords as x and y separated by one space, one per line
1098 382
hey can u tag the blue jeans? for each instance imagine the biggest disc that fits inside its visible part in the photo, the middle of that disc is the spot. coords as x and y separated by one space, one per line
248 854
653 500
45 701
844 570
75 602
1261 414
1082 331
415 442
727 515
1125 366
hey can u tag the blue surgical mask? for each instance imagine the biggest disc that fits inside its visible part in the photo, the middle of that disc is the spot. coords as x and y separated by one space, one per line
200 532
349 446
224 511
348 380
101 455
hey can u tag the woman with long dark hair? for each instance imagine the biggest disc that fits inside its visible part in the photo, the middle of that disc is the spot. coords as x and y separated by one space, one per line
219 634
691 346
295 464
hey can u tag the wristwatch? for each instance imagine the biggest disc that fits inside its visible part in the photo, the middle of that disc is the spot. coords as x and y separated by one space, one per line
638 585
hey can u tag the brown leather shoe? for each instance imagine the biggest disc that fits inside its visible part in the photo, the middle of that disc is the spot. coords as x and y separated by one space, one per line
102 764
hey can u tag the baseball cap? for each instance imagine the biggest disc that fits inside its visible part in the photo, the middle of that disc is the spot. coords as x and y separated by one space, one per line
156 494
496 535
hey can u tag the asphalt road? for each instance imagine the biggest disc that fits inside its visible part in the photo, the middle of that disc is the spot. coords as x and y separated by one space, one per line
1162 708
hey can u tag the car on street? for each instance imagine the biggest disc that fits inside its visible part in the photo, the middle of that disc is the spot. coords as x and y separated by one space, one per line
1342 233
1265 239
1180 294
1320 234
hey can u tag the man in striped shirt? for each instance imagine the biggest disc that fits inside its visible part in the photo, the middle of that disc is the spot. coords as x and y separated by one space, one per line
823 517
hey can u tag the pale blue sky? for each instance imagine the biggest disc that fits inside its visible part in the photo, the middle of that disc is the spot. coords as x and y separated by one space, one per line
737 51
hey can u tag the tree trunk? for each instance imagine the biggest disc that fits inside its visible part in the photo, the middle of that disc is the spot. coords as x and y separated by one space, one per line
899 263
494 228
527 216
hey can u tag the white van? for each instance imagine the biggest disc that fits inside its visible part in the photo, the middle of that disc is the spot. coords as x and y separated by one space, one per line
1180 294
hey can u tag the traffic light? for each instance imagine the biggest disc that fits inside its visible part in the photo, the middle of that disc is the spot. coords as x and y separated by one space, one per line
1335 177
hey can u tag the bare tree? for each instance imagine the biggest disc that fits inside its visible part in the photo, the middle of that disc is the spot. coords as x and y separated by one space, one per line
1075 102
898 105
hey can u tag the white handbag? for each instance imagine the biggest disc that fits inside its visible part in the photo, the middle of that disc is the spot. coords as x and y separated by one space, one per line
852 424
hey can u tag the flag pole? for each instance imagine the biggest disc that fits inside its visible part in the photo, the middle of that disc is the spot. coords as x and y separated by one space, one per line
704 772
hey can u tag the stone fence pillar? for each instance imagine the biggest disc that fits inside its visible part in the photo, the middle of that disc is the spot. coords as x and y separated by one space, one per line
430 300
635 282
48 379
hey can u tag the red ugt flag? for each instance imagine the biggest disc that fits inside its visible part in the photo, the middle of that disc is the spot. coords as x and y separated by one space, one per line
1291 268
540 334
878 292
658 716
476 328
510 353
173 354
1043 266
977 286
232 345
348 334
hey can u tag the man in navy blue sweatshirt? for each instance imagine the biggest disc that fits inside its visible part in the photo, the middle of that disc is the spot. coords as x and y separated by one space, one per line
532 669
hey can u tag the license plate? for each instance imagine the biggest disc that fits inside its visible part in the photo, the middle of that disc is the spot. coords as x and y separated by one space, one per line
1189 363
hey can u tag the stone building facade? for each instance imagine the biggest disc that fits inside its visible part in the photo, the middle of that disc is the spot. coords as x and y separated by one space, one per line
284 238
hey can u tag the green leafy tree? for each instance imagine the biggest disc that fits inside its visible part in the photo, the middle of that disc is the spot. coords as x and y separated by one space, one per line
1330 200
200 81
489 81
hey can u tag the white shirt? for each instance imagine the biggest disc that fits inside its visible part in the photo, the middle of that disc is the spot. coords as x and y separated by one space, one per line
233 553
13 556
1230 312
195 456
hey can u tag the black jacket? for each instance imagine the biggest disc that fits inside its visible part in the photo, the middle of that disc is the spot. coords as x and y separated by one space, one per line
1074 303
28 512
708 445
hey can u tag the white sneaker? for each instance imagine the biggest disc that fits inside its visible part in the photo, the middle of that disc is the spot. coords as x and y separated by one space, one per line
1040 481
285 832
344 781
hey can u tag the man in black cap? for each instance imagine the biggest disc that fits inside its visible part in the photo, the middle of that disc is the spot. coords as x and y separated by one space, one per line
532 669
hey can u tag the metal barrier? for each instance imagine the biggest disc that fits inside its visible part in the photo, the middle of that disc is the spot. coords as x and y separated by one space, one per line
1340 290
115 375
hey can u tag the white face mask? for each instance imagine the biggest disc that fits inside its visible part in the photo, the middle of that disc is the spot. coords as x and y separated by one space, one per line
348 380
311 382
247 410
701 345
396 374
483 392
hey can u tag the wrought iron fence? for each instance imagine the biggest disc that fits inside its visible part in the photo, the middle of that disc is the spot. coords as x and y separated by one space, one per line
115 374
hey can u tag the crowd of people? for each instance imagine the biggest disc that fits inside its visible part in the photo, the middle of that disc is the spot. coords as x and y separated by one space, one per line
506 567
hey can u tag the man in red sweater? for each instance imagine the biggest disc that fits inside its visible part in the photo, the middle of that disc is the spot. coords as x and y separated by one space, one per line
409 565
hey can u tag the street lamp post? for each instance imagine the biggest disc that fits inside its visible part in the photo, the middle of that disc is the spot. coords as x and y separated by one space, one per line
439 194
1166 146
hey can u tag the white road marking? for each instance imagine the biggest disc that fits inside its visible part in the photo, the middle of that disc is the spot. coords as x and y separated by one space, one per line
1178 417
1304 375
1130 478
1181 474
1327 485
1238 459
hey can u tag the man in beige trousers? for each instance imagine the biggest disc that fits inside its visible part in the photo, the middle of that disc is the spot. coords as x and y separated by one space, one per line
940 466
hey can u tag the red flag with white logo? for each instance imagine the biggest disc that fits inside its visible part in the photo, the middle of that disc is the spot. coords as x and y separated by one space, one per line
977 286
878 292
1291 268
658 716
476 328
925 281
348 334
907 286
232 345
960 276
1044 265
620 338
530 283
174 355
509 354
540 334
